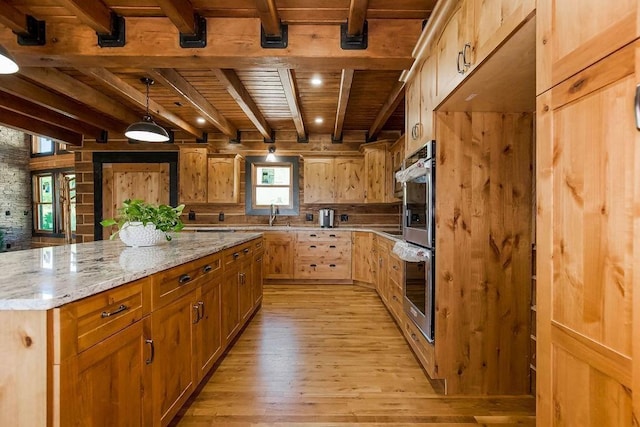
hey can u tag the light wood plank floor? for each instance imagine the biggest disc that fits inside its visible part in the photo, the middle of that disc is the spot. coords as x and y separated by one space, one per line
332 356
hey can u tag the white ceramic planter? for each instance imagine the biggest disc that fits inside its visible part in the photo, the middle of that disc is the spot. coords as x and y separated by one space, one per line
135 234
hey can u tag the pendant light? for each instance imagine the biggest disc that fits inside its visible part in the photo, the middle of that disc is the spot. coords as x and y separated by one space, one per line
8 65
271 157
147 130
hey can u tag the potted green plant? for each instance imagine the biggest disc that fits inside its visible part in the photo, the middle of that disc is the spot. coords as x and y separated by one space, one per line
142 224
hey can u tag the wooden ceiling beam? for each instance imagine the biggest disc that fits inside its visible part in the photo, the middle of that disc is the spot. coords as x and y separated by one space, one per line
21 88
139 99
93 13
239 93
35 111
13 18
391 42
343 99
172 79
387 109
291 94
357 16
63 83
269 17
38 127
181 13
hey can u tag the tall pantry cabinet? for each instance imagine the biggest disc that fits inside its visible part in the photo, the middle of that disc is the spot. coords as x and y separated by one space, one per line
588 213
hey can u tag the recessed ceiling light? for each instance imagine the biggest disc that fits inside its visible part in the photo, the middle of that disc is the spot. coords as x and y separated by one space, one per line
319 120
316 81
200 120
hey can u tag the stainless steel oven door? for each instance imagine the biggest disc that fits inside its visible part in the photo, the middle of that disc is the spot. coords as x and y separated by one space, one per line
418 209
418 295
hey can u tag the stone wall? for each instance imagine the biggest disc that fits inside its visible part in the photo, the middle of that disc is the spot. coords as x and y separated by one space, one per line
15 189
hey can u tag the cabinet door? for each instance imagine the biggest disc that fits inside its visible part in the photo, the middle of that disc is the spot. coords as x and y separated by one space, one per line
382 273
223 180
573 35
428 74
103 385
256 278
587 185
375 178
245 300
349 180
361 257
172 367
278 255
192 177
451 52
229 310
318 180
208 337
412 107
495 20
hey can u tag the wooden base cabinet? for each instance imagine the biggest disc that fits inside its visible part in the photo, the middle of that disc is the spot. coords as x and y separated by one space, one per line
279 248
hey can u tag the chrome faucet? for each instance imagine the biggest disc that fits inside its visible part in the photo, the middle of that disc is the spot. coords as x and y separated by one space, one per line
273 214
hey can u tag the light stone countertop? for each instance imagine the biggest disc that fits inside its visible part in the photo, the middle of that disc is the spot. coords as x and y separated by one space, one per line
45 278
388 232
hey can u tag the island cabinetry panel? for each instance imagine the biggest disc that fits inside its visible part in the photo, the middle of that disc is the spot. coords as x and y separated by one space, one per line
587 242
192 175
257 271
208 336
334 179
279 250
323 255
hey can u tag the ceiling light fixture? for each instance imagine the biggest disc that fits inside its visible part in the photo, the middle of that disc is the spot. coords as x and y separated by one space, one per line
200 120
271 157
319 120
8 65
147 130
316 81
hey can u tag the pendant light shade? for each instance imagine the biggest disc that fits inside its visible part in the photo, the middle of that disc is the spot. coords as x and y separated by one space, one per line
7 64
147 130
271 156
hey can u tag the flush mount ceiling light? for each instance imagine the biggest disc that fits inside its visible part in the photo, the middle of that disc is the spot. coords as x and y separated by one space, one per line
147 130
319 120
316 81
200 120
271 157
8 65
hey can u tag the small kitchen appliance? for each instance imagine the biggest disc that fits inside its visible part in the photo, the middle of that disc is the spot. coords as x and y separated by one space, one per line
325 217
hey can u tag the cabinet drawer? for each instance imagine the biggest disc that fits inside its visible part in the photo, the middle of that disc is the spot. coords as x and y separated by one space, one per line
91 320
396 270
322 235
313 269
171 284
339 249
238 253
423 349
395 302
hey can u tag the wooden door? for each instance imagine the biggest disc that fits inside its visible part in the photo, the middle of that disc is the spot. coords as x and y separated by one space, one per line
173 375
122 181
256 277
413 120
574 35
496 20
223 177
349 180
449 57
278 255
361 258
103 385
229 310
318 180
588 194
192 175
208 336
245 287
375 169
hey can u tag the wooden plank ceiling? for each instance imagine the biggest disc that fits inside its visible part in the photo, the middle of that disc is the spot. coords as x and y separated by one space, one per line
234 84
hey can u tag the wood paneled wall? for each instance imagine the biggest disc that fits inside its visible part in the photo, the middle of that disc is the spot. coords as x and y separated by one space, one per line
483 251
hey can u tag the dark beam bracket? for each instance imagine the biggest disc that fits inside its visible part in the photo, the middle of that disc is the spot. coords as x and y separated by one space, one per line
235 140
278 41
335 140
197 40
35 35
204 139
357 42
103 137
117 37
304 140
368 138
272 139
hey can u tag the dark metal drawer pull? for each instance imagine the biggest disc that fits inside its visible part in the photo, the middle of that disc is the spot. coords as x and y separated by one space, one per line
332 246
196 311
153 352
236 255
246 250
313 265
207 268
313 235
312 246
332 235
184 279
332 265
114 312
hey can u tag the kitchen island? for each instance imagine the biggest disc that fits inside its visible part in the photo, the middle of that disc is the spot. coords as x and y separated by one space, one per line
100 330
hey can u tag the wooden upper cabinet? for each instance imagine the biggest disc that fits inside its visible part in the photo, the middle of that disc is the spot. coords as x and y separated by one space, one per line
376 161
319 180
349 179
572 36
420 103
193 175
413 118
223 182
452 49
